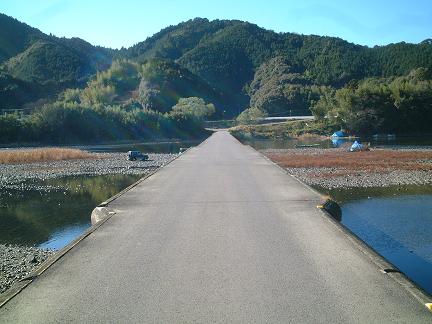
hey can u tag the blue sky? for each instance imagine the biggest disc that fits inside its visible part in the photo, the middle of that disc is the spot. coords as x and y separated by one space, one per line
124 23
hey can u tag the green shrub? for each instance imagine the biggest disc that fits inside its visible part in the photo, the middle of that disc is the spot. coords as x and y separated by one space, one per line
251 116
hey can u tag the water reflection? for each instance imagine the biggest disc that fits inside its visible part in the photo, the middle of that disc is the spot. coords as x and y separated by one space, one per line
53 219
337 142
157 147
260 144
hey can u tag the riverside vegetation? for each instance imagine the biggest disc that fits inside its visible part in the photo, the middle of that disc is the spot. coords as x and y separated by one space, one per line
99 112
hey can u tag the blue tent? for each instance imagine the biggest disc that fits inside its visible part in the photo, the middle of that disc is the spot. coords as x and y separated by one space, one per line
339 134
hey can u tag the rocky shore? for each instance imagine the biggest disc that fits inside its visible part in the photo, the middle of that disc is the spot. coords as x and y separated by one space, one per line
354 174
29 175
359 179
17 262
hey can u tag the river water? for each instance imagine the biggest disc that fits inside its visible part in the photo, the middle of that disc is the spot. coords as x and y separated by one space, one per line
396 222
147 147
53 218
322 142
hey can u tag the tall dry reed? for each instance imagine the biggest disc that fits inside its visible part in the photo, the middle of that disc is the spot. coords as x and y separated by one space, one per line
42 155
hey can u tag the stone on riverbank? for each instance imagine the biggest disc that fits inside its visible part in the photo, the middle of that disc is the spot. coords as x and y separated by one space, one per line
21 176
17 262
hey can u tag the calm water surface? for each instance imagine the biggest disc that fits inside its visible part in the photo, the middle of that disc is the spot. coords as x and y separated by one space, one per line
157 147
395 222
55 218
321 142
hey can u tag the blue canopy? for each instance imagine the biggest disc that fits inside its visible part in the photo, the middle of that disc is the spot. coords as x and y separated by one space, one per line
339 134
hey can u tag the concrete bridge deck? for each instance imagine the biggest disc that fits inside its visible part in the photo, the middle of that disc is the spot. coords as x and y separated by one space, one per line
220 235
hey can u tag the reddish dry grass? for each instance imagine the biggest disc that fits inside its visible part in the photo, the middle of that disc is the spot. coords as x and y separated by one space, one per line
376 160
42 155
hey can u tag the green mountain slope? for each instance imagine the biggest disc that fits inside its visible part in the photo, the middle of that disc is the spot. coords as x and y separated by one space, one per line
16 93
227 54
174 41
280 88
230 63
398 59
45 61
29 54
220 60
164 82
16 36
41 65
54 61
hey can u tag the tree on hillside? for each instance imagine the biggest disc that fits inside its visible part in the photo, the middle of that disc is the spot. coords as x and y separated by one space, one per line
70 95
279 88
373 105
194 107
189 113
251 115
97 93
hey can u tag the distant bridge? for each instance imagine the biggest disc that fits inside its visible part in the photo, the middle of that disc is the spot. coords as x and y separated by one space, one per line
289 118
227 123
16 111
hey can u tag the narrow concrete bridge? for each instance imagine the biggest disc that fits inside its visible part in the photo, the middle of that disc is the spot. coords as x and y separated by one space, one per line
220 235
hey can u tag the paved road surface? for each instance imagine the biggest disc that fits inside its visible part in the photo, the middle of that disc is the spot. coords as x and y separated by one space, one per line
220 235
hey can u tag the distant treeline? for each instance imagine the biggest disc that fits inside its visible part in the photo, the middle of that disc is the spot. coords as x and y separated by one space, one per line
381 105
63 122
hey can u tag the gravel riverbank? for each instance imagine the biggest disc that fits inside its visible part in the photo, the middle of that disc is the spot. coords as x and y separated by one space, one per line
18 261
28 175
337 168
321 177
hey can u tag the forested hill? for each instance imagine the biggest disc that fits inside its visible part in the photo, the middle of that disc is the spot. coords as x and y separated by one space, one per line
228 53
34 65
15 36
29 54
235 63
213 48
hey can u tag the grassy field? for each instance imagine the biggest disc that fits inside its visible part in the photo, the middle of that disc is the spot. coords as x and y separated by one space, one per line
374 161
42 155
